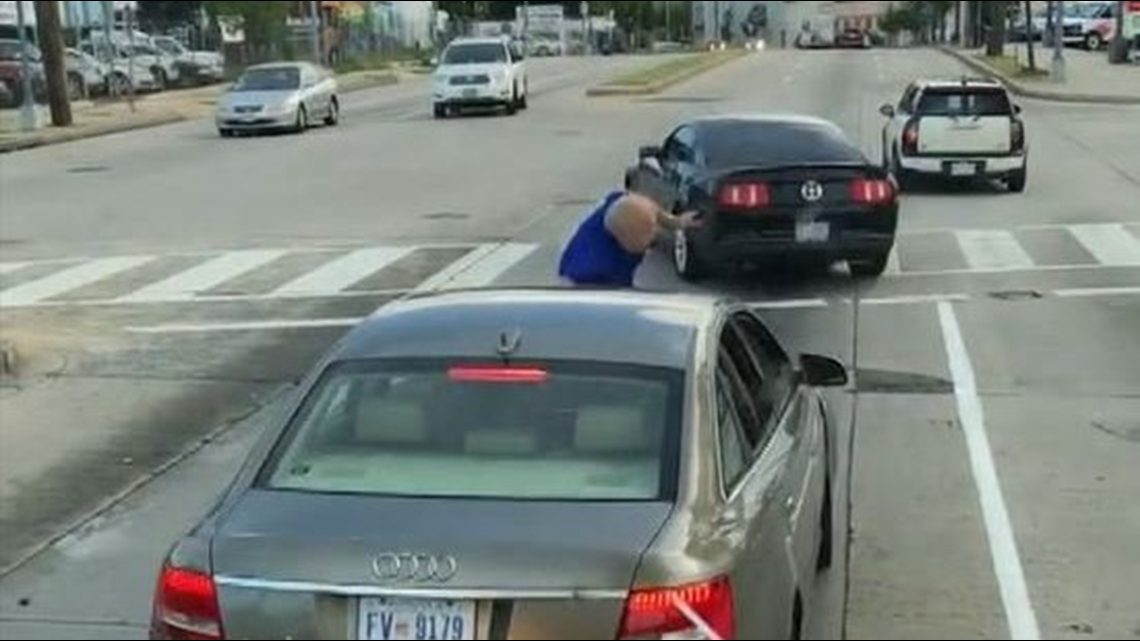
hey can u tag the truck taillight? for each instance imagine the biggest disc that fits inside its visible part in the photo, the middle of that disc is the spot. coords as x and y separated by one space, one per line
872 191
745 196
910 137
186 607
1017 136
699 611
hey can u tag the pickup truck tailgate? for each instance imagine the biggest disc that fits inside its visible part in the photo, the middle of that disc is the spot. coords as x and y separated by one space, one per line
965 135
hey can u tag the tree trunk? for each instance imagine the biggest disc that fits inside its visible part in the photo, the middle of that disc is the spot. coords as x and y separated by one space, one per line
55 62
995 38
1029 35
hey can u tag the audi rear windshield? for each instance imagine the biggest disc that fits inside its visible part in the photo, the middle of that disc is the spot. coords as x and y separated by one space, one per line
560 431
732 145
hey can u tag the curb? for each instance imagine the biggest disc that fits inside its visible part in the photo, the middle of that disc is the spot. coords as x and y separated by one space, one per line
46 138
600 91
1021 89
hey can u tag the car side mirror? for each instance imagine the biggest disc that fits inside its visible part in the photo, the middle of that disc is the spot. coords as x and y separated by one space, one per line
887 110
1017 109
821 371
434 61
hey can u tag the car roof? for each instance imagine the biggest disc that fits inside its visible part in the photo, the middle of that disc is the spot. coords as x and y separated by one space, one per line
774 119
277 65
633 327
487 40
961 81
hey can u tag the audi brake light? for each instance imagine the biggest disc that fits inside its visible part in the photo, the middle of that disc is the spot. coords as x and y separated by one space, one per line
872 192
705 610
745 196
186 607
497 374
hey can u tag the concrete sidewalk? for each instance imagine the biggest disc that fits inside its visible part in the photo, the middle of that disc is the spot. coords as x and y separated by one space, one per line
108 117
1088 77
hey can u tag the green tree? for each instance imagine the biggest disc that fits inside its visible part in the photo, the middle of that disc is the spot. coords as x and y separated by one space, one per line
163 13
263 22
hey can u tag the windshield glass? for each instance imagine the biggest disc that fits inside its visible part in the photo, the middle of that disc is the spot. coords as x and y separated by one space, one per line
475 54
171 47
964 103
275 79
10 50
732 145
584 432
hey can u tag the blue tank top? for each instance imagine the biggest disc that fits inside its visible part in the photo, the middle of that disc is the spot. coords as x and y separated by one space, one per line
594 257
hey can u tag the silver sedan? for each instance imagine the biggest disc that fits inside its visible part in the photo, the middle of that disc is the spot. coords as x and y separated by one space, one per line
279 96
527 465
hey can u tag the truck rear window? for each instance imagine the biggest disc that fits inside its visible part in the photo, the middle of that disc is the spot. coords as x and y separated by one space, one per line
964 102
577 431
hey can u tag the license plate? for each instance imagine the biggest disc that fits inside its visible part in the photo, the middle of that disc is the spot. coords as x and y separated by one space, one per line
384 619
470 93
812 232
963 169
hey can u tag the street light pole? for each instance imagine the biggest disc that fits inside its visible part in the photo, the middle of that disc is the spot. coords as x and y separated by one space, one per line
1059 43
315 30
28 104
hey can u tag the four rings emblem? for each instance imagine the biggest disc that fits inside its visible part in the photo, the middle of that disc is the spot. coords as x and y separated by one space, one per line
414 568
812 191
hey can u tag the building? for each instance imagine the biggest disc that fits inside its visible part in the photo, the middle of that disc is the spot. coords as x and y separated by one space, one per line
779 22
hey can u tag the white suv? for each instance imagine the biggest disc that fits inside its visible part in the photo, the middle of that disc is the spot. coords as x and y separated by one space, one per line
480 72
965 128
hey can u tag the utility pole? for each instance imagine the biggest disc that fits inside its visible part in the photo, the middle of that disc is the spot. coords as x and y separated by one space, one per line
315 30
1059 43
28 104
1118 48
55 63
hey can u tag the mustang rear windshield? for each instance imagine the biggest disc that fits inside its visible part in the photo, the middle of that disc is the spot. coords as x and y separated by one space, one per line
441 429
964 102
732 145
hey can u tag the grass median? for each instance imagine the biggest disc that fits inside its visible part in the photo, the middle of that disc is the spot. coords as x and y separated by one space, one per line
1013 68
662 74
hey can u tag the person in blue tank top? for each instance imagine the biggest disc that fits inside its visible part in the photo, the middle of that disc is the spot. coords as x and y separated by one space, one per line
610 243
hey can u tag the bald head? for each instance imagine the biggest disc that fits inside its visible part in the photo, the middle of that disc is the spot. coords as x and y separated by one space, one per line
633 222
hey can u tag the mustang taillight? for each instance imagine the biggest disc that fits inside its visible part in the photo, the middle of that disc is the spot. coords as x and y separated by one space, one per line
749 195
186 606
872 191
705 610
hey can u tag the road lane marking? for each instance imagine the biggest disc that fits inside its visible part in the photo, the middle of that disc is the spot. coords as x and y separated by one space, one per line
894 264
1037 268
247 326
1020 617
8 268
1111 244
992 249
342 273
803 303
452 271
914 300
68 280
186 285
1092 292
489 267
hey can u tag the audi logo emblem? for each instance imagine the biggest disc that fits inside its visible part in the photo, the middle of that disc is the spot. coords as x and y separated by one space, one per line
414 568
812 191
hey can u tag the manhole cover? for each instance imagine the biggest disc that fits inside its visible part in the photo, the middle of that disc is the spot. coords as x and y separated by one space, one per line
1025 294
446 215
88 169
684 99
876 381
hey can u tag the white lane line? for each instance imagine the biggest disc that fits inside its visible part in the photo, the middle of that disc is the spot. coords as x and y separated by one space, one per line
250 326
914 300
8 268
1037 268
1019 612
68 280
1092 292
992 249
803 303
466 262
204 277
342 272
1110 244
489 267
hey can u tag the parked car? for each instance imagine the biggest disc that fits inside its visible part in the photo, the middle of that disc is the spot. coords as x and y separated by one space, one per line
201 67
853 39
123 65
12 73
86 76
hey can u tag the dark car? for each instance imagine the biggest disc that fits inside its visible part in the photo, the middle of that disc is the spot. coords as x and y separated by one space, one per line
770 189
12 73
853 39
527 464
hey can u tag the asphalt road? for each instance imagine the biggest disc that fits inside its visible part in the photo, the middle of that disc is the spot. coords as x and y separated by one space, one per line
994 426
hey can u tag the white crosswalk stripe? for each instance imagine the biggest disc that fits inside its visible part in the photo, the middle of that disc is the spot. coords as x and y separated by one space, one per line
69 280
1110 244
992 249
490 267
204 277
343 272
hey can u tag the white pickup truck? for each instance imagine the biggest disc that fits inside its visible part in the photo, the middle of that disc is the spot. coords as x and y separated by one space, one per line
962 128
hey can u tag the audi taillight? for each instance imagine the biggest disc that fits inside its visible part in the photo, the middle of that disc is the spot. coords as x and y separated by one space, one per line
1017 136
696 611
186 606
872 191
910 137
753 195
